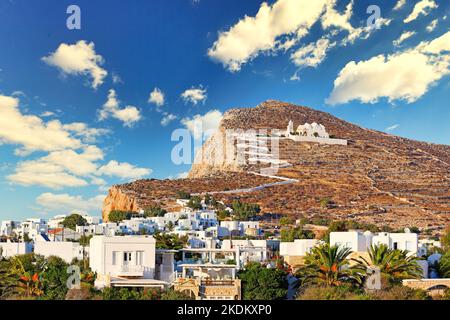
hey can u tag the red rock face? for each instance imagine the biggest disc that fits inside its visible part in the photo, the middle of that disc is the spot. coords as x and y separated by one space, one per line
378 178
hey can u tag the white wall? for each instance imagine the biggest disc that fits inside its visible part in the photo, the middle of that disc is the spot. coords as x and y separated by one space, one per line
300 247
10 249
65 250
103 249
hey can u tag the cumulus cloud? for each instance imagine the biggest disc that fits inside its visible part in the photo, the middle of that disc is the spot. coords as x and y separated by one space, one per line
129 115
432 25
88 135
168 118
422 7
156 97
254 35
78 59
58 169
123 170
203 125
312 54
405 75
194 95
400 4
405 35
31 132
68 203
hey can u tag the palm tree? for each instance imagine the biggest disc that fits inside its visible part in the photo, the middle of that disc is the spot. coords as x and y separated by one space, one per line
328 265
394 264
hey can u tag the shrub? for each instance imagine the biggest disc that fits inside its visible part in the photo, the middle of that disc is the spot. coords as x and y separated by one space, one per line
73 221
331 293
183 195
118 216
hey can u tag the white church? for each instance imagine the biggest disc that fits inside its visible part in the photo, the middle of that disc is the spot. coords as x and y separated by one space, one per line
313 132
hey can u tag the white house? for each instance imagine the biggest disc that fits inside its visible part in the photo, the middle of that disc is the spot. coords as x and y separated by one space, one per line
402 241
56 221
300 247
10 249
357 241
238 228
7 227
33 227
65 250
124 261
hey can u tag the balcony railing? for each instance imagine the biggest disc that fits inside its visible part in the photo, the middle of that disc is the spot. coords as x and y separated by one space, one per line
130 270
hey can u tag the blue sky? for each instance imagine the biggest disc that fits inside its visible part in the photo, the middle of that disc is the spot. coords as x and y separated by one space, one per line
57 153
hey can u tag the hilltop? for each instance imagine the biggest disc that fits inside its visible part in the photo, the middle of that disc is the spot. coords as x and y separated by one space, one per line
377 178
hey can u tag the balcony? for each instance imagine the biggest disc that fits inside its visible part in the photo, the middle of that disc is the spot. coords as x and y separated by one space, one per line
130 271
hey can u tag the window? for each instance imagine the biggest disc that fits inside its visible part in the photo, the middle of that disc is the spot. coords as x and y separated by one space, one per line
395 245
114 258
127 256
139 258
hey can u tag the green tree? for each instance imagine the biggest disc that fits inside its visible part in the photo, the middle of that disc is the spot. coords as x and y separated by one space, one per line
289 235
171 294
54 279
285 221
118 216
261 283
183 195
445 239
443 266
154 211
73 221
328 266
245 211
195 203
169 241
394 265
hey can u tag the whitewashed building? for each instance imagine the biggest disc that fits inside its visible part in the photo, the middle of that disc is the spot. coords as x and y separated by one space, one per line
10 249
359 241
127 261
299 247
64 250
7 227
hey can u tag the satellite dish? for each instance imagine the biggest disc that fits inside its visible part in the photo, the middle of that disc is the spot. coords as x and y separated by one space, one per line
407 230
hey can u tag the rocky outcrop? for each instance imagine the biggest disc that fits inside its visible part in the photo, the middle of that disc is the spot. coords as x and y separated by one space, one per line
117 199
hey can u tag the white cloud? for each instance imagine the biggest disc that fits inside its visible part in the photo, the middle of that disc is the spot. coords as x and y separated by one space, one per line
43 174
400 4
88 135
423 7
46 114
432 25
156 97
332 18
203 125
405 75
393 127
168 118
254 35
79 58
67 203
194 95
116 78
405 35
123 170
128 115
31 132
58 169
312 54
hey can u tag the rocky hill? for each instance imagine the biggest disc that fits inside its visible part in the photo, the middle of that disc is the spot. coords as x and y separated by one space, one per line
377 178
